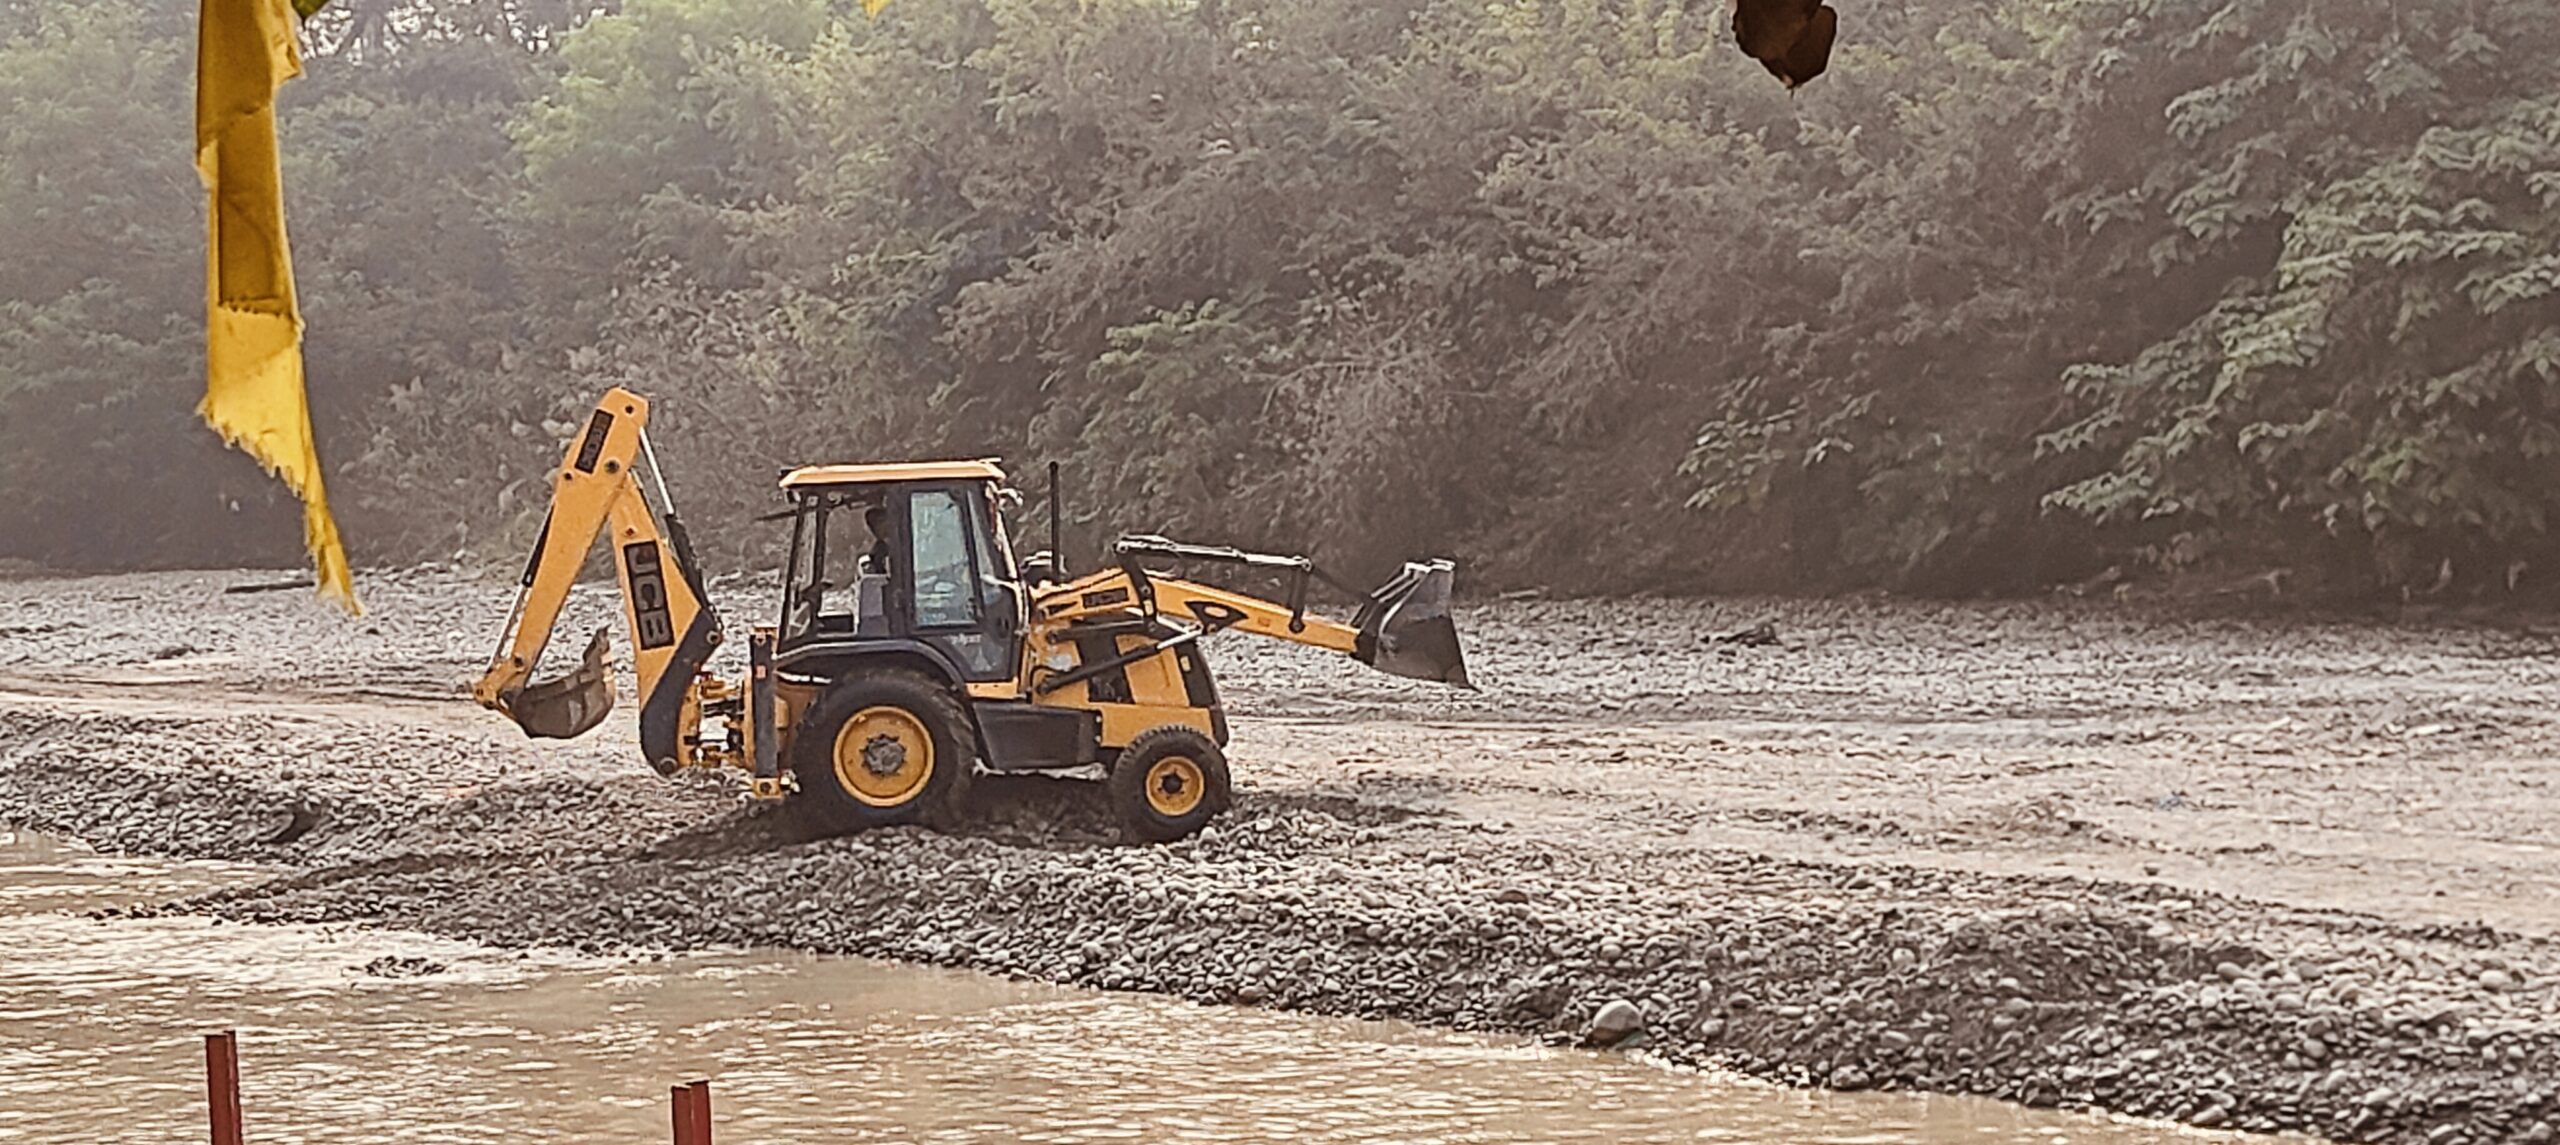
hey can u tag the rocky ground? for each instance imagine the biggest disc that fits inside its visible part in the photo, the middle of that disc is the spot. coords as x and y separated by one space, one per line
2292 874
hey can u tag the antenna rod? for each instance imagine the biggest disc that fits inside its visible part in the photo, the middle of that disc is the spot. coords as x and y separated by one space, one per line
1057 544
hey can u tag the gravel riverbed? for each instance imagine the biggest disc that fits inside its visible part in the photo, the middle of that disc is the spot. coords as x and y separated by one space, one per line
2270 874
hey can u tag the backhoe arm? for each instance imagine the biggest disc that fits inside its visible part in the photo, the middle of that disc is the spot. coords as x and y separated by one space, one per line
597 490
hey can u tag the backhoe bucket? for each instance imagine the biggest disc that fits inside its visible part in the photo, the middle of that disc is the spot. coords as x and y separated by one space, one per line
1405 627
567 707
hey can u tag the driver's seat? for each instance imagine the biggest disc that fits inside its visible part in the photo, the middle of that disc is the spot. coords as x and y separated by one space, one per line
871 609
870 615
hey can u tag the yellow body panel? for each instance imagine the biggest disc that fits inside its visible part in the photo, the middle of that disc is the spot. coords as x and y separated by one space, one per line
1157 694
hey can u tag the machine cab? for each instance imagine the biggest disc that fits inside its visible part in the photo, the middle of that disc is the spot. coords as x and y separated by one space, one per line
903 555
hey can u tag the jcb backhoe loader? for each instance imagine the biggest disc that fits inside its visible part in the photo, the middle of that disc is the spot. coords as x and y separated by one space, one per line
897 673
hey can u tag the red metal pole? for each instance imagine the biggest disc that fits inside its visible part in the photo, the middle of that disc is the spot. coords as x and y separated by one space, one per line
701 1112
680 1111
222 1085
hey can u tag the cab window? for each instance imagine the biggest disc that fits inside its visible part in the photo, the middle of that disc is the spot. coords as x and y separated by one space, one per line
945 583
998 598
832 585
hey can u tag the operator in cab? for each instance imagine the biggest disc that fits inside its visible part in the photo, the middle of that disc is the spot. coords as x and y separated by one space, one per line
876 519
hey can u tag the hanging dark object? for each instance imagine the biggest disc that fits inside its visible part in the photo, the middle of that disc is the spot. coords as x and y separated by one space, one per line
1791 38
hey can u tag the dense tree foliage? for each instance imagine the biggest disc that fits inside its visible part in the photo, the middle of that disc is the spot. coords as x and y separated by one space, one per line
2022 290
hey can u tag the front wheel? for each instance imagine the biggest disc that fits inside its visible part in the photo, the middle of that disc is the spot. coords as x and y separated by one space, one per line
1168 783
882 748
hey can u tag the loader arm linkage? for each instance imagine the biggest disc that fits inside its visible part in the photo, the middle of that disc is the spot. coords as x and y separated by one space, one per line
673 631
1402 627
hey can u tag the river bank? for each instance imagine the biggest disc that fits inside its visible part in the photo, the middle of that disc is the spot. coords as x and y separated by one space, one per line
2263 875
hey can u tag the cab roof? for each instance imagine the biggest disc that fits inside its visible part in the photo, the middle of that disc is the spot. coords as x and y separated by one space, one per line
981 470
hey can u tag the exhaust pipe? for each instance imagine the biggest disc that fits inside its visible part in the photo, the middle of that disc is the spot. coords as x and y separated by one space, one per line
1405 628
567 707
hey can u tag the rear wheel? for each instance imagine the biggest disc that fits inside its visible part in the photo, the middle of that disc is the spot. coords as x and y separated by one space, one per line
883 747
1168 783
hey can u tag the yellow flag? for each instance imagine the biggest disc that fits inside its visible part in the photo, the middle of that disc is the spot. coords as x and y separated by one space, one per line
253 337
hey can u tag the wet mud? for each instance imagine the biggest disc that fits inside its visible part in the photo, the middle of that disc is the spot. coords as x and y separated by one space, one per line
2265 874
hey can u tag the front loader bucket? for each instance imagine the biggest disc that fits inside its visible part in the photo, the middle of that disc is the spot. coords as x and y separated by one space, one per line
566 707
1405 627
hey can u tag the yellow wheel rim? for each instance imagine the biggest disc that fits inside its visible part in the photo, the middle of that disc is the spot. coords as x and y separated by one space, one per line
884 756
1175 786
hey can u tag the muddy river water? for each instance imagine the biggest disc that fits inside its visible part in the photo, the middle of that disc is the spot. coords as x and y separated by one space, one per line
353 1035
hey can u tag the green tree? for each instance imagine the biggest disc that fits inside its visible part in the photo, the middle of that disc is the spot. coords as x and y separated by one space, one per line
2375 371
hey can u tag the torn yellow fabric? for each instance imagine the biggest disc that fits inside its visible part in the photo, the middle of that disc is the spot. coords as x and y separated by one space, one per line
253 336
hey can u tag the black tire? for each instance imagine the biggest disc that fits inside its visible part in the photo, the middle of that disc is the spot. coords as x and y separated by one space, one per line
903 711
1168 783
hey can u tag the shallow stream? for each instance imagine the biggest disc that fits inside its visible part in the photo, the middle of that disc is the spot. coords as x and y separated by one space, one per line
354 1035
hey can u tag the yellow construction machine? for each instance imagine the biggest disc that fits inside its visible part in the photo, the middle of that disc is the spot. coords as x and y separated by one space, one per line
912 650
